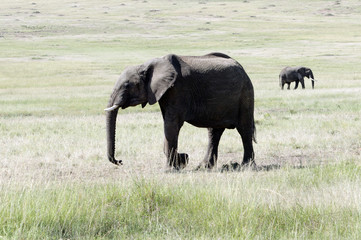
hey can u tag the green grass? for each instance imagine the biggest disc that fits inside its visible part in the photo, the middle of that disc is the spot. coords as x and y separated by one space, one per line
235 206
59 62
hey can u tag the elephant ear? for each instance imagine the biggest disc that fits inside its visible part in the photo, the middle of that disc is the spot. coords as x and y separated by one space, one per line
161 75
300 72
299 76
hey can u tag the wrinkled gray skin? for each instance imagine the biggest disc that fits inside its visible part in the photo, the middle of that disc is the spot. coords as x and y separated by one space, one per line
295 74
211 91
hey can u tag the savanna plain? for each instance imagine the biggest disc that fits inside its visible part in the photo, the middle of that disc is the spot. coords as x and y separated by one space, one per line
59 61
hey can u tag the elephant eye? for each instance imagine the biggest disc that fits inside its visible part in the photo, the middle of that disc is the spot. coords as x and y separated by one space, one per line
126 84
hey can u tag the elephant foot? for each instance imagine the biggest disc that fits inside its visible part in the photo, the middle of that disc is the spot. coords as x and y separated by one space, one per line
180 162
183 160
116 162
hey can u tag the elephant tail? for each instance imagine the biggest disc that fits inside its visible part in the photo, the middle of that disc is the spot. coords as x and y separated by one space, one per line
254 133
280 80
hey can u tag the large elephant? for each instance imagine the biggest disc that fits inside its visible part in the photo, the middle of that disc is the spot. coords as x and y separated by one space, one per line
211 91
295 74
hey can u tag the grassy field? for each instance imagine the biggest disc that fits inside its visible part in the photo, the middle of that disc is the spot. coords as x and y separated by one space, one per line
59 61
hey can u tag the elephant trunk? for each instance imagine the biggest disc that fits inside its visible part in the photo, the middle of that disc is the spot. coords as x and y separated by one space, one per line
111 118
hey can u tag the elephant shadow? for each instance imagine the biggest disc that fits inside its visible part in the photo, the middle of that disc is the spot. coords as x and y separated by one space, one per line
236 167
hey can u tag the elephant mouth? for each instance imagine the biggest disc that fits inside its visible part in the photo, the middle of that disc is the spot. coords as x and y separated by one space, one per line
127 104
135 102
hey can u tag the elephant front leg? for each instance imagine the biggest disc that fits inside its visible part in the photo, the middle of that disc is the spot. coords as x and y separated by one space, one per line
210 159
303 83
175 160
296 86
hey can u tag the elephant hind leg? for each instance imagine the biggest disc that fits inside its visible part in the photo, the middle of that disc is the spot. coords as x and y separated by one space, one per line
210 159
282 82
247 129
247 133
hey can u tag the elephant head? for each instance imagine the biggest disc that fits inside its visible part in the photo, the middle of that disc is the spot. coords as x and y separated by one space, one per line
140 84
307 72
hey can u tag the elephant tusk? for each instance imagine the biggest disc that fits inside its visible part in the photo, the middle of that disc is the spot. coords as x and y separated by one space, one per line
111 108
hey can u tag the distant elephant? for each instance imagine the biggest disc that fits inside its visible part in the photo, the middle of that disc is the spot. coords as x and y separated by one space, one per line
211 91
295 74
